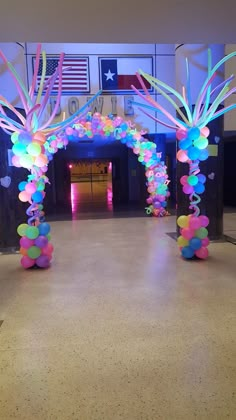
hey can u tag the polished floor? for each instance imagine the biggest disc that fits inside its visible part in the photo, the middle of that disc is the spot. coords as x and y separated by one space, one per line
120 327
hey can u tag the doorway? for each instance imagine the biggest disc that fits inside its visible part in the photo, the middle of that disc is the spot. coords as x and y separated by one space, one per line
91 186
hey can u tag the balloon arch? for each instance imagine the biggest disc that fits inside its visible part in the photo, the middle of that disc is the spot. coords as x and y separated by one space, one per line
35 142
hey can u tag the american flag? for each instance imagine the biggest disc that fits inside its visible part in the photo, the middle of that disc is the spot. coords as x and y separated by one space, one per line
74 80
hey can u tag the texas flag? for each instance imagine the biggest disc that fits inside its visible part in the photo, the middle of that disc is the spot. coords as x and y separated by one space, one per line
118 74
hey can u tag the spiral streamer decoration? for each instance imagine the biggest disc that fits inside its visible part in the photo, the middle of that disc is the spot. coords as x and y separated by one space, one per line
33 148
192 134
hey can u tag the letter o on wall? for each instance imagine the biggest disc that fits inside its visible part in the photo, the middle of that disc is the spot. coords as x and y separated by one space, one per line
73 105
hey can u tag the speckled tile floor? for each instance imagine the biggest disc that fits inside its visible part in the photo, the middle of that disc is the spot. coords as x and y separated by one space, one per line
119 328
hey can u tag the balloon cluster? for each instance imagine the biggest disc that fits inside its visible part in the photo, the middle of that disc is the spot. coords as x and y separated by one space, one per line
34 143
126 133
190 123
32 151
193 240
193 144
35 248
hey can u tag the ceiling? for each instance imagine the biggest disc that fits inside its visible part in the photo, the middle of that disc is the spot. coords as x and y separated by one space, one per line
129 21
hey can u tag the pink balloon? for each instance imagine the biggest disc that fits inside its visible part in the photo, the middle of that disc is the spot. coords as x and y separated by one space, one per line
184 179
205 131
24 196
47 250
26 242
187 233
194 223
149 200
182 156
69 131
204 221
30 188
202 253
16 161
27 262
188 189
180 134
205 242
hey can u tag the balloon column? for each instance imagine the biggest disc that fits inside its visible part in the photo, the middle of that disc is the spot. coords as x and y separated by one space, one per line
33 147
192 135
126 133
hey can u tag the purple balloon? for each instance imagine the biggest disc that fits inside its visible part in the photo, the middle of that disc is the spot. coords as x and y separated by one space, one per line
41 241
43 261
26 242
156 204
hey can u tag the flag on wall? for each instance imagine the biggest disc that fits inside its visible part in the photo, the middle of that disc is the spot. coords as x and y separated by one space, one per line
75 79
118 74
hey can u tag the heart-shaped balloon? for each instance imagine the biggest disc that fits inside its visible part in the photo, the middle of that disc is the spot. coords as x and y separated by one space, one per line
5 182
217 139
211 176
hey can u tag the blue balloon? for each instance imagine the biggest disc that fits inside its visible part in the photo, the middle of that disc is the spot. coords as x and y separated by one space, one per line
193 153
194 133
163 203
187 252
22 185
25 138
37 197
199 188
124 126
44 228
201 178
195 243
185 144
204 154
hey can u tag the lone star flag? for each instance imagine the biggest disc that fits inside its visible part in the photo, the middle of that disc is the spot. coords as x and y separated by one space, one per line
75 76
118 74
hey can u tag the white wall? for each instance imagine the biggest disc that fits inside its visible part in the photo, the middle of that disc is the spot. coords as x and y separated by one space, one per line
148 21
15 53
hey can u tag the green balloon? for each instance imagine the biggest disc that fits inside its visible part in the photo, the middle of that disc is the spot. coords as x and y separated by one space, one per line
201 233
192 180
34 252
201 143
32 232
21 230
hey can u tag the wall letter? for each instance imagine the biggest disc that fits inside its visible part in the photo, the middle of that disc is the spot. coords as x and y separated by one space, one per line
73 105
97 105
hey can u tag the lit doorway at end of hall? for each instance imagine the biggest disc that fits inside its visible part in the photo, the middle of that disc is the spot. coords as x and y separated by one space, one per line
91 186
